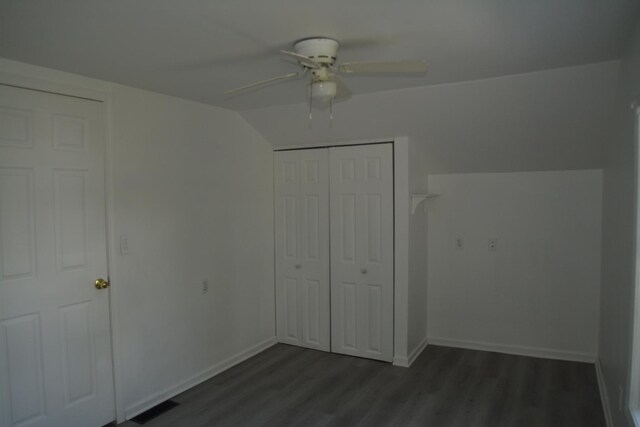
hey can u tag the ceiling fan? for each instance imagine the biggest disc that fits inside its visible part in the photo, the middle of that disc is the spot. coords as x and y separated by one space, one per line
316 58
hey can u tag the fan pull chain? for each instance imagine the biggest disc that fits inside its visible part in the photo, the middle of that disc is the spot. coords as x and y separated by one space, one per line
331 113
310 108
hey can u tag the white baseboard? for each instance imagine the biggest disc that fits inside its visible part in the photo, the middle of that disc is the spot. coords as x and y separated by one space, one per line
214 370
405 362
517 350
417 351
400 361
604 396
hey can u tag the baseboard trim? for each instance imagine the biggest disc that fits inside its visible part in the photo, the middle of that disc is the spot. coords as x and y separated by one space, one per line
202 376
544 353
405 362
400 361
417 351
604 396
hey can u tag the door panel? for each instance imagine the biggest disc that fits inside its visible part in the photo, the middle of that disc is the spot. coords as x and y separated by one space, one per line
55 350
292 312
311 311
347 228
17 254
287 200
290 226
349 310
22 348
362 250
77 351
70 218
373 321
302 247
374 227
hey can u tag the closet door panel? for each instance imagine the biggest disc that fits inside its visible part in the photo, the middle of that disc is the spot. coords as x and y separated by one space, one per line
314 198
361 182
291 312
302 248
287 250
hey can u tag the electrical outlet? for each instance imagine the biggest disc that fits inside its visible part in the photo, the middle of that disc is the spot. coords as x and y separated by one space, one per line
493 244
205 286
124 245
459 243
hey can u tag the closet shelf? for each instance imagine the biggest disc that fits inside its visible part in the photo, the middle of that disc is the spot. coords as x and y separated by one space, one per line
417 199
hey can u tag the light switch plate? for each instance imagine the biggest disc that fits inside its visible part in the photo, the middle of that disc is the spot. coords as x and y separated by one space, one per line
124 245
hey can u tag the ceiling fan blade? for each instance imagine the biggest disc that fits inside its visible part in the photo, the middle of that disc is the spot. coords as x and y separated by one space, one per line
302 60
342 91
262 83
399 67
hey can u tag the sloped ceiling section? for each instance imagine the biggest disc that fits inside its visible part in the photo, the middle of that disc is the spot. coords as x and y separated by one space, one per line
549 120
196 49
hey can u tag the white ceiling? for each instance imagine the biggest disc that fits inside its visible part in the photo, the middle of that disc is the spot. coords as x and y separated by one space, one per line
548 120
197 49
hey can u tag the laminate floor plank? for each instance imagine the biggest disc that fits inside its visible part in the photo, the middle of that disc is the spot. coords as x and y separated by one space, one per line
448 387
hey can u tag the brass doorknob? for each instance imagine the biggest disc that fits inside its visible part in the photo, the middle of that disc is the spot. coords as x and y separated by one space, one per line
102 284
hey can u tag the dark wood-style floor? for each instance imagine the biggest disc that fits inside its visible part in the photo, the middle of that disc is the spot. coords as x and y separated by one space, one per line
291 386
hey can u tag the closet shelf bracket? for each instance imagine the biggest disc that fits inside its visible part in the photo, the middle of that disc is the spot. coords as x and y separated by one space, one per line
418 199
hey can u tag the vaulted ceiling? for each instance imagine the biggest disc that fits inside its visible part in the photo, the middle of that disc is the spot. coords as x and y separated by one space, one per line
197 49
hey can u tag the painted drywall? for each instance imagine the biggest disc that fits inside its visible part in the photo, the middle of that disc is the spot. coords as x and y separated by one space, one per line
193 195
417 304
618 252
191 189
549 120
538 293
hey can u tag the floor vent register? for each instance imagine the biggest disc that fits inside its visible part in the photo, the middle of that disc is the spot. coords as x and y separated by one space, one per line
154 412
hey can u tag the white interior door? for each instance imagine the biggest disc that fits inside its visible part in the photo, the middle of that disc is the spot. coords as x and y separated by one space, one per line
361 199
302 247
55 352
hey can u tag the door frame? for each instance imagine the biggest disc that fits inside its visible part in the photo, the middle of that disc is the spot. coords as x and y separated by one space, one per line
401 217
31 77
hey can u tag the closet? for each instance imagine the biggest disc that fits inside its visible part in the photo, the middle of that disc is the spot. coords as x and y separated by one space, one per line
334 249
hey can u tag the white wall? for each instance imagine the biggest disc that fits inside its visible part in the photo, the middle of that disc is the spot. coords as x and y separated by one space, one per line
539 292
193 194
618 253
548 120
191 188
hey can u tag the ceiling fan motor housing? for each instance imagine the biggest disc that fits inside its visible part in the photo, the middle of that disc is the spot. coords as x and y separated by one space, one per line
321 50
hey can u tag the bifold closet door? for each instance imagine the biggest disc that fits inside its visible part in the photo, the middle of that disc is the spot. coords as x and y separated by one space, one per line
302 248
361 200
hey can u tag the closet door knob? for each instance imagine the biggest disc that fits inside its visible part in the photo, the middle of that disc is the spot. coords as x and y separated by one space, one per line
363 271
297 266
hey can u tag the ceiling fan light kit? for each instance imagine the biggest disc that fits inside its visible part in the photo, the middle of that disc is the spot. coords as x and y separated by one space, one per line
316 57
323 91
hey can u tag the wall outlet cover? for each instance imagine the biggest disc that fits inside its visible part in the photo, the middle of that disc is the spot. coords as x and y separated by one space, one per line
493 244
459 243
